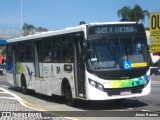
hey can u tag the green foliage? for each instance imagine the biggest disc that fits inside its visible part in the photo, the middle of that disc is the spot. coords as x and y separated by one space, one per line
3 50
135 14
29 29
147 28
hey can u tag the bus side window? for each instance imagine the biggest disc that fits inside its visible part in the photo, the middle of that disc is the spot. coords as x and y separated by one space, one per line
47 50
56 53
67 49
25 51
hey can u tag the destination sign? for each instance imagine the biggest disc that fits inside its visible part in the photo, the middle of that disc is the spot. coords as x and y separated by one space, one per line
114 29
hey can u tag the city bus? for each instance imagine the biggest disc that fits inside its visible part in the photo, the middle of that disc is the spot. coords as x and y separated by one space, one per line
94 62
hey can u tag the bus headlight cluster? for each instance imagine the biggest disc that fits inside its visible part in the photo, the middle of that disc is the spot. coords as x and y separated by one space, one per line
96 84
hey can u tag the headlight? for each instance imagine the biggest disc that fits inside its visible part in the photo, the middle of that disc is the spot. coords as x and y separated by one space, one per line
93 83
100 86
96 84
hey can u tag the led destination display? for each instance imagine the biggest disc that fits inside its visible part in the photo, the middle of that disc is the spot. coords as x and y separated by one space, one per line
114 29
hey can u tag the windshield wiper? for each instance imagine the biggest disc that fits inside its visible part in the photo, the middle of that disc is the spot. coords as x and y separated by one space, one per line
107 44
129 46
113 47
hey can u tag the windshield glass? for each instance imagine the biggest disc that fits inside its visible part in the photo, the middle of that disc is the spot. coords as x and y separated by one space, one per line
111 54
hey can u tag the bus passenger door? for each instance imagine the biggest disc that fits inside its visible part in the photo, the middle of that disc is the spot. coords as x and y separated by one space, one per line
38 65
79 67
15 65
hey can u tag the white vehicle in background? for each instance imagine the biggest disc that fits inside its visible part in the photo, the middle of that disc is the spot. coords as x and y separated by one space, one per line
97 61
155 69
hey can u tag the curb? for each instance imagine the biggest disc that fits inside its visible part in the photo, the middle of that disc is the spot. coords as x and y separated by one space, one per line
20 100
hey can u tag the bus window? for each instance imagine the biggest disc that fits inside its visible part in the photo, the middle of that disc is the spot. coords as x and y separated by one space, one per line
67 49
47 50
20 52
56 50
25 51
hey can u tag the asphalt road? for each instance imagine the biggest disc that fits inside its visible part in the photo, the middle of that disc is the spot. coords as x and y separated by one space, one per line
55 103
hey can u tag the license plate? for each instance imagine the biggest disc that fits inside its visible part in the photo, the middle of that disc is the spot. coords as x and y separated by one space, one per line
125 92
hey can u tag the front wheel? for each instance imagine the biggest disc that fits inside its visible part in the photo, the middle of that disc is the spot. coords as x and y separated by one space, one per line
68 95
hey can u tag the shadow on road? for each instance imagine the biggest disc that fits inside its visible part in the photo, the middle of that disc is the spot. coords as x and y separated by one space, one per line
88 105
110 104
54 98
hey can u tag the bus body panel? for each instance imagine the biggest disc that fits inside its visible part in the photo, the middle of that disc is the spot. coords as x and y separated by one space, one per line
26 69
50 83
53 74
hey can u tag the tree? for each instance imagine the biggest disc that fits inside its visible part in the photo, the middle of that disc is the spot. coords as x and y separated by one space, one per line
3 49
29 29
41 29
136 14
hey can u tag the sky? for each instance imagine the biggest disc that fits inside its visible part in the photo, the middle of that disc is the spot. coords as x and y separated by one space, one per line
59 14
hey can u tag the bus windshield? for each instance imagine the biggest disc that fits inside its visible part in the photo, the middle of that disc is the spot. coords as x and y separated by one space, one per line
109 54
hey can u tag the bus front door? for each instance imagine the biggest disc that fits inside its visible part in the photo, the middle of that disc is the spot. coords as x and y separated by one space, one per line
15 65
79 68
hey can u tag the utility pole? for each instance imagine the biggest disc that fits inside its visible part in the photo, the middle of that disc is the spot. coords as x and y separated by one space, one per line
21 17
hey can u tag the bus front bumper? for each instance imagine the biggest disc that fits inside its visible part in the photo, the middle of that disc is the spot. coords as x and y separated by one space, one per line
96 94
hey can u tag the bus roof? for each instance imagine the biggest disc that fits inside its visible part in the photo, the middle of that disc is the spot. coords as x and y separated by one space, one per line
48 34
63 31
110 23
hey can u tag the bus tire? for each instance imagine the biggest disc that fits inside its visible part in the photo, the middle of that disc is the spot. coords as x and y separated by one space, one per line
24 85
68 95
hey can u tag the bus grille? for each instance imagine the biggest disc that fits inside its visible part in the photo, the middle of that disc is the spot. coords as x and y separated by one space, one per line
117 91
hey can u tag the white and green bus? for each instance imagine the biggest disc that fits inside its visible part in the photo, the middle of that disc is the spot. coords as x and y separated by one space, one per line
96 61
